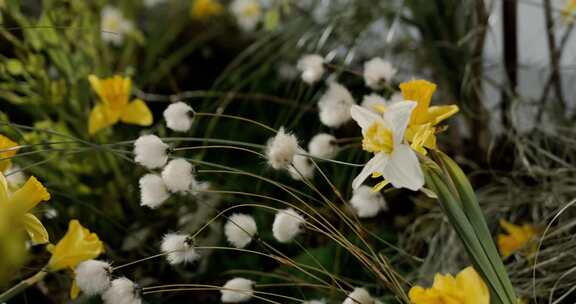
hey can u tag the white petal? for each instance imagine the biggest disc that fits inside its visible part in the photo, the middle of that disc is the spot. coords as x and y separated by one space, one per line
364 117
397 116
376 164
403 170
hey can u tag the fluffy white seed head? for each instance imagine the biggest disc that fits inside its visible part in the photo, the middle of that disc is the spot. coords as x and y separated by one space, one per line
150 151
153 191
237 290
301 168
334 106
178 175
312 67
93 277
179 116
287 225
378 71
122 291
247 12
281 149
240 229
114 26
323 146
359 296
366 202
179 248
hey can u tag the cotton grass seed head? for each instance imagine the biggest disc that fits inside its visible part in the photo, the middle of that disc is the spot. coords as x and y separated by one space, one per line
179 116
153 191
323 146
178 175
366 202
281 149
179 248
93 277
237 290
312 67
359 296
122 291
287 225
150 151
377 71
301 168
240 229
334 106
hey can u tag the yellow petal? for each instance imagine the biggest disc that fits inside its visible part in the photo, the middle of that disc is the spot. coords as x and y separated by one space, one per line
436 114
421 137
8 149
74 290
77 245
137 113
113 91
35 229
516 239
95 84
379 186
445 284
473 287
3 190
421 92
101 117
28 196
419 295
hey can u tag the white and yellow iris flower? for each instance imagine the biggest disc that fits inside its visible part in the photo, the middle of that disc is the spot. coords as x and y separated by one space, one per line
383 135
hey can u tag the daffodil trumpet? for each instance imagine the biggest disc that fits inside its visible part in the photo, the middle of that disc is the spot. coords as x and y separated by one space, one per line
459 203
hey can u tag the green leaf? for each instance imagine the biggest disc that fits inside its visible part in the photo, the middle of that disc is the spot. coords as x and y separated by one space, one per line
475 215
458 219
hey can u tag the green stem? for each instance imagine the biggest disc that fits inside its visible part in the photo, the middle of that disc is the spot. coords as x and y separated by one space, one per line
18 288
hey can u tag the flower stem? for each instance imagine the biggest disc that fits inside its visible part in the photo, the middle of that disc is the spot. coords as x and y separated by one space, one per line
18 288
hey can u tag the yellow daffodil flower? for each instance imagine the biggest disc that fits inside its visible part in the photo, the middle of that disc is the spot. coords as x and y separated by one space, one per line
421 131
8 149
77 245
18 205
517 238
203 9
115 106
466 288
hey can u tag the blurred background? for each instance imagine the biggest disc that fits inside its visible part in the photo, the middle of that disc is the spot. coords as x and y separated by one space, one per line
508 65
